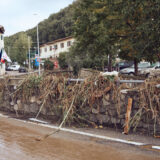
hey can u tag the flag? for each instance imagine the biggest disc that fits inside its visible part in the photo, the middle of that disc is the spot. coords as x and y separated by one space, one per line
2 60
0 54
5 57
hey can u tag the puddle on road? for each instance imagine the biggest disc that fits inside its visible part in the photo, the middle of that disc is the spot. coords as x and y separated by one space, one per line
19 143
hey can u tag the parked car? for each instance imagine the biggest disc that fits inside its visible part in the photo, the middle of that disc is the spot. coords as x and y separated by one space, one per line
130 70
151 70
125 64
13 68
23 69
119 66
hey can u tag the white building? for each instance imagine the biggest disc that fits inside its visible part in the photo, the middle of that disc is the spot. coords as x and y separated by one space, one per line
54 48
2 66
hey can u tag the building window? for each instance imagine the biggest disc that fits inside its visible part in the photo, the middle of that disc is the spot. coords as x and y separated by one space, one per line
50 48
68 43
1 37
45 49
62 45
55 47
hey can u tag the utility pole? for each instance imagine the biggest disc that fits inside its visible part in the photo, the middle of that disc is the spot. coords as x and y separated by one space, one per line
8 51
29 52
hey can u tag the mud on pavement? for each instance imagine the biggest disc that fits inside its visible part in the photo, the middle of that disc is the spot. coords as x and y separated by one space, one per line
17 141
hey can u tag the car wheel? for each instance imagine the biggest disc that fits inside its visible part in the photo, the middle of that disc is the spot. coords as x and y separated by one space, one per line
147 75
131 74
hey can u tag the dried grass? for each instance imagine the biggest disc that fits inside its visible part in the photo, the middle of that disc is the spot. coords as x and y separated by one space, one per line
58 93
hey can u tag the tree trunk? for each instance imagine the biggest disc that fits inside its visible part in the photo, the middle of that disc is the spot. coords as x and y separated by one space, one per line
158 57
109 63
135 66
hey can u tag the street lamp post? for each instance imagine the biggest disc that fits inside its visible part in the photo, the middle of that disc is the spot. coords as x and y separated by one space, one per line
39 72
29 52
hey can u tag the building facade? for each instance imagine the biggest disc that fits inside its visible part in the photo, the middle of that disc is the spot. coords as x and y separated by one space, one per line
54 48
2 65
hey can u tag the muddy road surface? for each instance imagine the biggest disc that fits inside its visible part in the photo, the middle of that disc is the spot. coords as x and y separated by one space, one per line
18 142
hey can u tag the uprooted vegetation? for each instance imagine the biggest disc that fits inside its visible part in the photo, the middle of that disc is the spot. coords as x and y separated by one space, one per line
57 92
94 101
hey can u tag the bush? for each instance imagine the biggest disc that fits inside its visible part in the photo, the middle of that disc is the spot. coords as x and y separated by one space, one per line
63 60
48 65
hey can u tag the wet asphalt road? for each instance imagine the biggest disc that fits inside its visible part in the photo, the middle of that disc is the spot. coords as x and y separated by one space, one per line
18 142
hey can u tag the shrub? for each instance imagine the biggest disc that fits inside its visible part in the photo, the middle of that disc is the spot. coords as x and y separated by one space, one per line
48 65
63 60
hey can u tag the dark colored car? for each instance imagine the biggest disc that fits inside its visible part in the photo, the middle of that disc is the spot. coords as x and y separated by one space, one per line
126 64
23 69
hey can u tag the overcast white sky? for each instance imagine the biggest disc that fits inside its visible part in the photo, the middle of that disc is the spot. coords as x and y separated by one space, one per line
18 15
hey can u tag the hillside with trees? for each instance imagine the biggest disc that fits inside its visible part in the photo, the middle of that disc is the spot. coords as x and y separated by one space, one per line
57 26
103 30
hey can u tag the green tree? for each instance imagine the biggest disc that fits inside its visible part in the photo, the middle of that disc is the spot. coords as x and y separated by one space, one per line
20 50
138 28
103 27
94 34
62 59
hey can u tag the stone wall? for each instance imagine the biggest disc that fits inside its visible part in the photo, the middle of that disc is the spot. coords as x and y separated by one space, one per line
113 114
109 112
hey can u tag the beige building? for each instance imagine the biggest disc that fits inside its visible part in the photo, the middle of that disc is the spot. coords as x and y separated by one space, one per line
54 48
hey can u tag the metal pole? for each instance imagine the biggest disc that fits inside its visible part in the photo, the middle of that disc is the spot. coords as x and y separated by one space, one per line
29 57
38 51
8 51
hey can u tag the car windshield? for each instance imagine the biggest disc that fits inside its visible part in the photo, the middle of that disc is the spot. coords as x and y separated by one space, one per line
154 64
142 65
121 63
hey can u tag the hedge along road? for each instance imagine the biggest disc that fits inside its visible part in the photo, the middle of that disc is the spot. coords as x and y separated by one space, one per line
17 141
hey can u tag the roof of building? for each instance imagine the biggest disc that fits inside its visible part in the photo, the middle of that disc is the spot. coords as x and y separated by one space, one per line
58 40
2 29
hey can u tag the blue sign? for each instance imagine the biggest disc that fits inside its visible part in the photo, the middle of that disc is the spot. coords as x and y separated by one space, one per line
36 62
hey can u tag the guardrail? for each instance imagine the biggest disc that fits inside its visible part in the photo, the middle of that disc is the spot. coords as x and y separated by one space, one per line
119 81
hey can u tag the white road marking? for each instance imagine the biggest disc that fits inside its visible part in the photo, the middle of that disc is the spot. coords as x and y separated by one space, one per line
83 133
156 147
37 120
